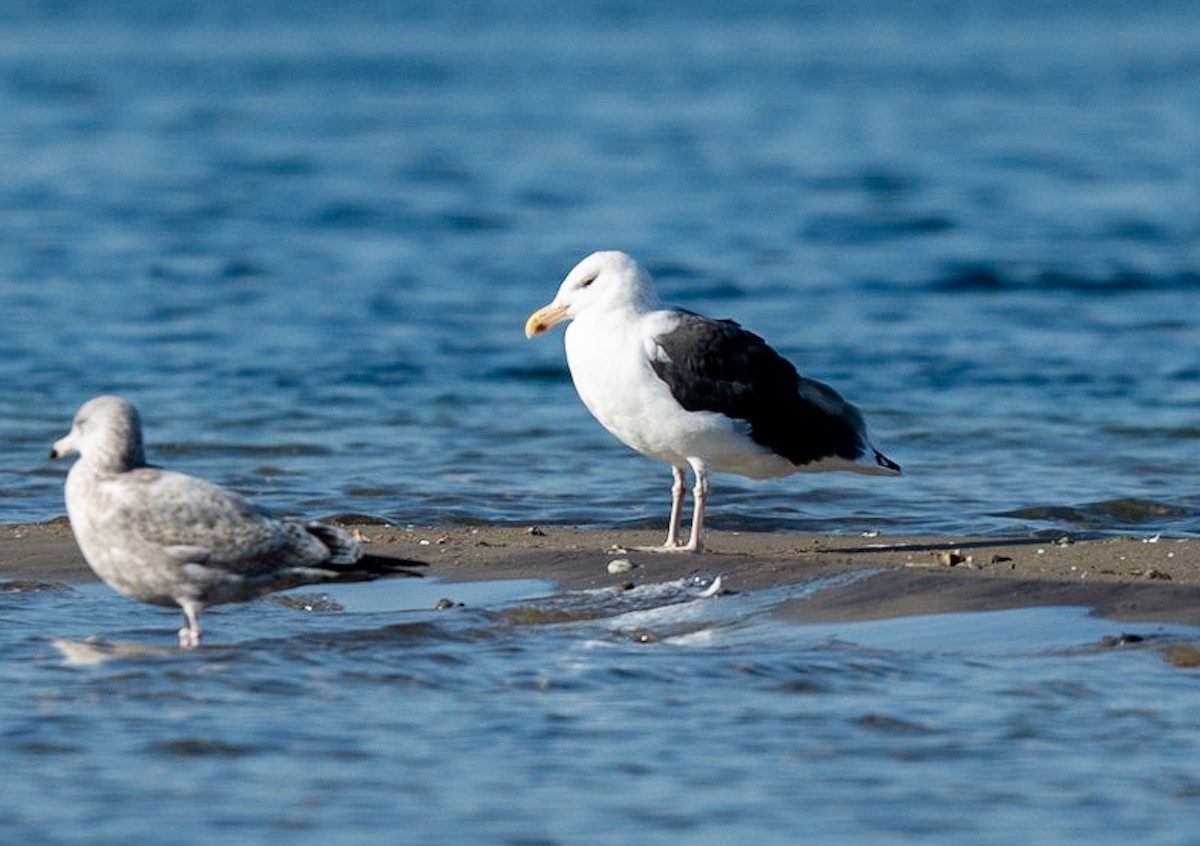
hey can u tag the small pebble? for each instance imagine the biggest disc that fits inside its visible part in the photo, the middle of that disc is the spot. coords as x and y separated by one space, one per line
619 565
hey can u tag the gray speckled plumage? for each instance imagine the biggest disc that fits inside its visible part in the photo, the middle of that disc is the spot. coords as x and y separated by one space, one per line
170 539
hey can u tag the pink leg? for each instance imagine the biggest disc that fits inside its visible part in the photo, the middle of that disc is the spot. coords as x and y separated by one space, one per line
677 491
699 495
699 500
189 635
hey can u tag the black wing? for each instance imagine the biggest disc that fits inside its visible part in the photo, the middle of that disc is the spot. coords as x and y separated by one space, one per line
716 365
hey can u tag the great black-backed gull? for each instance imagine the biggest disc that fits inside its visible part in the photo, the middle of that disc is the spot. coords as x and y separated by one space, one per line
168 539
696 392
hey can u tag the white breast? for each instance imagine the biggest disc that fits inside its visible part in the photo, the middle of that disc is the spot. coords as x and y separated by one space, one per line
609 357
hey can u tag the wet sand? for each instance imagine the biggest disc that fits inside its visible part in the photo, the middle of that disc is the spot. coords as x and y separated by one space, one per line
1125 578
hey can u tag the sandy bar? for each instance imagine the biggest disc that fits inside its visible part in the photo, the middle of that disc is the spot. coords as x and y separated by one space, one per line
1135 579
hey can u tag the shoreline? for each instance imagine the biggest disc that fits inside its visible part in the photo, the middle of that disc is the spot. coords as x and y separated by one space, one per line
1123 578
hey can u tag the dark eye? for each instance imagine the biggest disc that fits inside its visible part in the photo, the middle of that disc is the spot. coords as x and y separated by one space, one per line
588 282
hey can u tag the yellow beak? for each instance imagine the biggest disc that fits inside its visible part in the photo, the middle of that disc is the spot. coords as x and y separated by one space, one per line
544 318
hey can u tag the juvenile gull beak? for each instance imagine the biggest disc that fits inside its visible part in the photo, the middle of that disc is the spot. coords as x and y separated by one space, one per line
62 447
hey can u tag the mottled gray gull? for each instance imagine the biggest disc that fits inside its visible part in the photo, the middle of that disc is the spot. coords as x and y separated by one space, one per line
696 392
169 539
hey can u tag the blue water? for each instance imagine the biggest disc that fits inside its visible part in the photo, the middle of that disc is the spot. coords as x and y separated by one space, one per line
304 237
649 716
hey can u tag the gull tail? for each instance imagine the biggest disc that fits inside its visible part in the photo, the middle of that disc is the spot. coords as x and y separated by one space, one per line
347 563
377 566
885 463
368 568
874 463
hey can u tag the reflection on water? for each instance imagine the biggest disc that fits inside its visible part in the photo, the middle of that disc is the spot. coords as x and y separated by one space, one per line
611 716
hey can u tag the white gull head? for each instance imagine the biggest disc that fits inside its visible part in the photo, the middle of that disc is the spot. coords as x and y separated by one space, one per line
107 434
609 281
